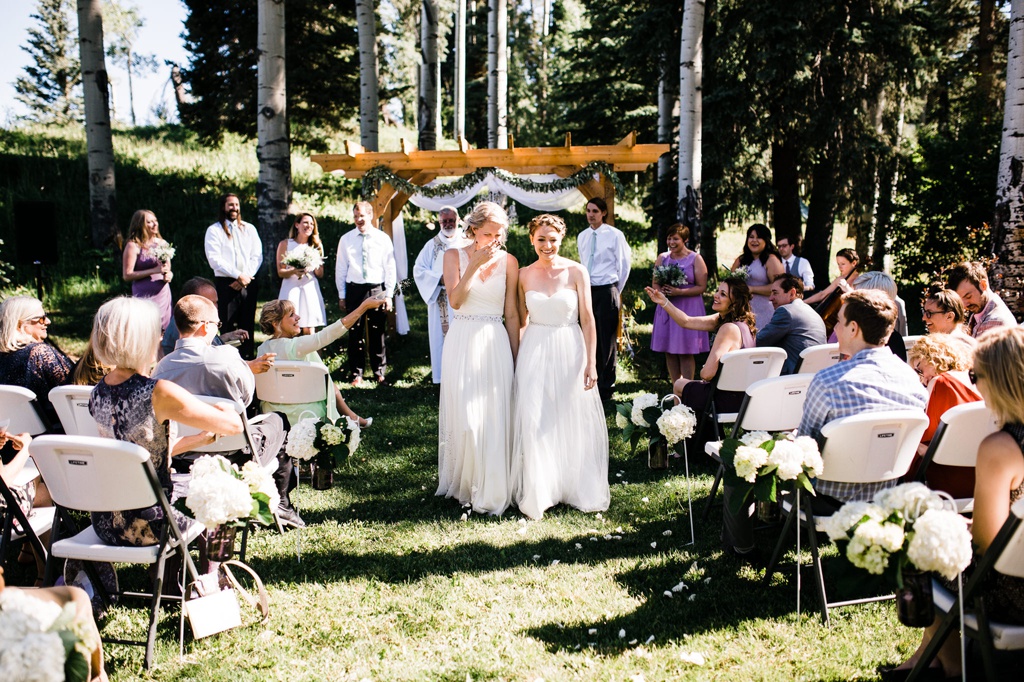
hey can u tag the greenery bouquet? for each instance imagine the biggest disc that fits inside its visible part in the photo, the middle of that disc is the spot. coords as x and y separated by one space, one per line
670 275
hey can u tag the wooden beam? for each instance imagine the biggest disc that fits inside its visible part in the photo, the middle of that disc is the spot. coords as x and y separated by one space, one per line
568 140
463 145
510 142
406 147
353 148
628 140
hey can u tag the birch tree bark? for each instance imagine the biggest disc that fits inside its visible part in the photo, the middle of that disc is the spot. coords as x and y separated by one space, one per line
273 149
691 66
1008 229
497 74
369 107
98 140
665 110
429 76
459 131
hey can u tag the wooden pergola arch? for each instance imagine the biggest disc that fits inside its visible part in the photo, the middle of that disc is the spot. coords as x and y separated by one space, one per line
420 167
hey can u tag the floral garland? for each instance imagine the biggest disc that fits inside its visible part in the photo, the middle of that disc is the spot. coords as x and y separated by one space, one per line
377 176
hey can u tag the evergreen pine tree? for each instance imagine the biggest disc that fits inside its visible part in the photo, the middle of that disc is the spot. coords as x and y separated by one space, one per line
50 86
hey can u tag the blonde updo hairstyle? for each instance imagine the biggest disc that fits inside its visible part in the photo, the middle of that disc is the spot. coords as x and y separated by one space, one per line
942 352
999 360
487 212
125 333
547 220
272 314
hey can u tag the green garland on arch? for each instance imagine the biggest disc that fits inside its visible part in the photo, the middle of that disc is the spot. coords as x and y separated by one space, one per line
377 176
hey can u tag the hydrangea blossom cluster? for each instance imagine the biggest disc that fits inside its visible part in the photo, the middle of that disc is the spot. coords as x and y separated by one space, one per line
748 462
217 494
303 257
677 424
790 459
38 638
354 435
941 543
302 440
639 405
259 481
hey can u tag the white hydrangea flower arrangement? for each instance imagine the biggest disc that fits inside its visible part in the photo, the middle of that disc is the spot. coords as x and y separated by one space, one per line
303 257
219 493
903 528
758 461
646 416
41 640
328 444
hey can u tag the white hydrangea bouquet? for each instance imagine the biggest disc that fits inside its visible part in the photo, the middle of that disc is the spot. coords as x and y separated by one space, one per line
647 416
163 252
219 493
909 527
303 257
756 462
327 444
42 641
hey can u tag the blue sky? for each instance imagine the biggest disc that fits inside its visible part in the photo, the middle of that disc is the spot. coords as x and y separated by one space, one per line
161 36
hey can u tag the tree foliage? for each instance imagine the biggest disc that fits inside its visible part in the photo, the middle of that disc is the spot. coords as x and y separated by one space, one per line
51 86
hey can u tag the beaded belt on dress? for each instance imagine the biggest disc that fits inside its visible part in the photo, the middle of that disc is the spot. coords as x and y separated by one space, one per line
479 318
545 324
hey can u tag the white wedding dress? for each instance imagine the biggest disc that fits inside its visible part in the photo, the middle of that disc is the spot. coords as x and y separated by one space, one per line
560 450
474 419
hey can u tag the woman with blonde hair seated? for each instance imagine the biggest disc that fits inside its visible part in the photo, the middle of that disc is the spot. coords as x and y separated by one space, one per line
943 363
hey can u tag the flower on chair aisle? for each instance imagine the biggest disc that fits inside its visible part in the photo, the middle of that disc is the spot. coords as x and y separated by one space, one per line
221 494
646 416
757 462
41 641
328 444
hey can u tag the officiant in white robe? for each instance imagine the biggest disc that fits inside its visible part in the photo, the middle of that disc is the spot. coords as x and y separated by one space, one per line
428 271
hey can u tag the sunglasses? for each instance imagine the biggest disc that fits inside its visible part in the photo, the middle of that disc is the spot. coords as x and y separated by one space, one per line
38 318
973 376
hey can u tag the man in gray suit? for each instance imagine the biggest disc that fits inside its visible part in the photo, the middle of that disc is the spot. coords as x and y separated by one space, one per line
794 326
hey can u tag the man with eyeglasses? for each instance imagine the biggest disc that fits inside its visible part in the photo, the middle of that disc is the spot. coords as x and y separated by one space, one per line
970 282
219 371
428 273
794 264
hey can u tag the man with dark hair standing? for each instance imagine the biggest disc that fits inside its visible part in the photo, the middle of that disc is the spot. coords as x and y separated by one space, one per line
794 325
603 251
789 247
970 282
235 252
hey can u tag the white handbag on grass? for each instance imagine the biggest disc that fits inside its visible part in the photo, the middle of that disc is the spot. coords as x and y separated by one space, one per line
212 610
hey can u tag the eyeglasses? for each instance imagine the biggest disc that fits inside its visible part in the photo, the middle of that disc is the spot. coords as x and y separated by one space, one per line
215 323
449 221
38 318
973 376
928 313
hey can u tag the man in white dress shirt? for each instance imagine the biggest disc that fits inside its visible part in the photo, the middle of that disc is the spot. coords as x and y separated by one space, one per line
607 257
795 264
428 273
235 252
366 267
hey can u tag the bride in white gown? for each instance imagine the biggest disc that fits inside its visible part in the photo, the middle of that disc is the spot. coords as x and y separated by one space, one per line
560 451
474 420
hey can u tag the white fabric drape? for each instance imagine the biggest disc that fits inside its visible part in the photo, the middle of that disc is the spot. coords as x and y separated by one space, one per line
402 269
538 201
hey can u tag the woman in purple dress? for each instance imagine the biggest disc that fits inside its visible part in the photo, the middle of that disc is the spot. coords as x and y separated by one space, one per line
678 343
761 259
149 276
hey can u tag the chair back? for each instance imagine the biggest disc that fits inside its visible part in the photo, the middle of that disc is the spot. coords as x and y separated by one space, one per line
773 404
96 474
741 368
17 404
813 359
909 341
72 405
289 382
1011 559
870 447
962 428
224 443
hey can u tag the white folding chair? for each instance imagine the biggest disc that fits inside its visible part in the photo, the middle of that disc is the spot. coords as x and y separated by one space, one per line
290 382
909 341
956 441
103 475
1005 555
18 405
737 370
865 448
774 404
816 358
72 405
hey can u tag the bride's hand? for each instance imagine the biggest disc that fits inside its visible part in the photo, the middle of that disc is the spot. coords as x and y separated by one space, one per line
481 257
590 377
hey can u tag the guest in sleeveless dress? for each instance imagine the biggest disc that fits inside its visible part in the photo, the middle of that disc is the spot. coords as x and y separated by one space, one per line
733 324
279 319
129 406
763 264
560 447
150 277
679 344
300 286
999 375
474 420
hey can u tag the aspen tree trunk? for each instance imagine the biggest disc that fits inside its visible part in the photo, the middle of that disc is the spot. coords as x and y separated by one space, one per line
459 130
99 144
428 76
497 74
369 107
1008 228
691 58
273 149
665 107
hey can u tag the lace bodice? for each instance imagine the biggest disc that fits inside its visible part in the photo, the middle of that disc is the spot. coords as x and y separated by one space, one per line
486 296
560 309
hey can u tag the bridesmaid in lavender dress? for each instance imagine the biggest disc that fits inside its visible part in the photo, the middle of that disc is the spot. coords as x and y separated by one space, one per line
677 343
149 277
761 259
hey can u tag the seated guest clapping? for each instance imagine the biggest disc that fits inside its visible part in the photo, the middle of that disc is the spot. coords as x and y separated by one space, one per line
943 312
279 319
794 326
733 322
871 380
220 372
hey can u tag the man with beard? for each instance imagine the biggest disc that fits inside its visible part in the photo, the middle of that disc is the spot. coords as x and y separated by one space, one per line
235 252
970 282
428 273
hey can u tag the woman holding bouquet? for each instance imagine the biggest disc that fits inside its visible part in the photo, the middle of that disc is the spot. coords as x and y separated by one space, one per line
560 444
763 264
682 276
146 263
300 265
281 321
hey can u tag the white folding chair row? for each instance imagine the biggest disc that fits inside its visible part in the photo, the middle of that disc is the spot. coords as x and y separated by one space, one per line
956 441
737 370
72 405
816 358
909 341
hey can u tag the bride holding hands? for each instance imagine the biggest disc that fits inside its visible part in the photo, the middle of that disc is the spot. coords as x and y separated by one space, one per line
560 451
474 434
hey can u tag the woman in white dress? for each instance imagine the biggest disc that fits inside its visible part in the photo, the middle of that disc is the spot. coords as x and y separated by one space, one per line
474 420
300 286
560 452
